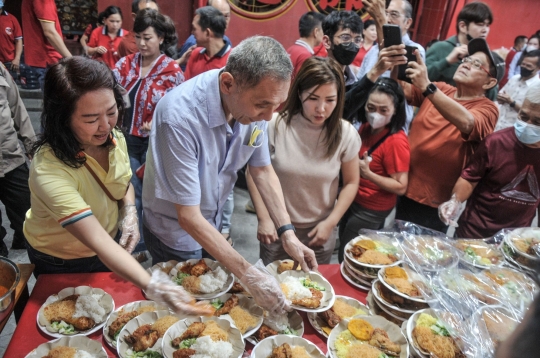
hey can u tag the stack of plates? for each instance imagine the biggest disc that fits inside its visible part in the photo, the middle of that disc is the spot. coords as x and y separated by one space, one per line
517 258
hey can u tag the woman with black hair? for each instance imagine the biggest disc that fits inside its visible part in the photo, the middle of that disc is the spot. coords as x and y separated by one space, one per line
104 41
384 161
146 75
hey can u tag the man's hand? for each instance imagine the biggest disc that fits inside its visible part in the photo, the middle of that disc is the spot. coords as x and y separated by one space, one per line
388 57
101 50
504 98
300 253
266 232
417 72
450 211
185 57
320 234
15 65
457 54
376 8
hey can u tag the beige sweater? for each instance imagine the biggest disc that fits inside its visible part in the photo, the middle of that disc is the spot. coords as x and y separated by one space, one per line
309 180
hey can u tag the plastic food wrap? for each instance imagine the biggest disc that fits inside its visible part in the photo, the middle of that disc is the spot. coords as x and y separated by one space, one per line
520 247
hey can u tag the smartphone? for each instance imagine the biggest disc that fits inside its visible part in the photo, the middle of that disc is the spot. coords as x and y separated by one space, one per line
392 35
401 68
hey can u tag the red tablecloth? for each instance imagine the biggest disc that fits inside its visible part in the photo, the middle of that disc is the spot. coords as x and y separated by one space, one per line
28 336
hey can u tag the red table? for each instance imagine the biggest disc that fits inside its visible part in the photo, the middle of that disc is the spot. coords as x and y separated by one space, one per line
28 336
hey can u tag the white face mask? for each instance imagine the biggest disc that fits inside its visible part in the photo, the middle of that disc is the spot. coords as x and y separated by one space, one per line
377 120
530 48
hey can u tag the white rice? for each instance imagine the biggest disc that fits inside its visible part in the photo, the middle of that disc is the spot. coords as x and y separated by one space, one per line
88 306
213 281
296 291
83 354
207 348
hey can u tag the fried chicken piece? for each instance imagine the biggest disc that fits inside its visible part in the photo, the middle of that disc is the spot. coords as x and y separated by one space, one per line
193 331
81 323
283 351
330 318
357 251
184 353
265 332
200 268
316 293
64 310
120 322
374 257
71 298
186 268
142 338
312 302
237 288
228 306
61 352
438 346
379 339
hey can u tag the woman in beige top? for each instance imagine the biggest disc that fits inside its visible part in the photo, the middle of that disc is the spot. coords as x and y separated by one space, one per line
309 145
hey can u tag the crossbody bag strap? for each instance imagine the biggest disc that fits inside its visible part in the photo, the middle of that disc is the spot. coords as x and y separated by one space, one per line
100 182
376 145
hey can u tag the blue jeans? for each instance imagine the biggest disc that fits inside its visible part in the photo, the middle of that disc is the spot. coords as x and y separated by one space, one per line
227 214
137 148
163 253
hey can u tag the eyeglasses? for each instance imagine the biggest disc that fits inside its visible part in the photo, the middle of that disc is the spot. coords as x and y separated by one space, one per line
394 14
348 38
476 64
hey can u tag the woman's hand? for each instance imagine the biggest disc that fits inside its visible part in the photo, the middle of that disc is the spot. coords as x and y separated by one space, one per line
364 165
129 224
101 50
266 232
320 233
146 126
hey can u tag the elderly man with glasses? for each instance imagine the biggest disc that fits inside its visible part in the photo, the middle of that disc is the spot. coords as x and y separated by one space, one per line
448 128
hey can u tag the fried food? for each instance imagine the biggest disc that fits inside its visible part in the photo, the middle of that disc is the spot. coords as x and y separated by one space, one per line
193 331
214 332
366 244
227 306
299 352
237 288
404 286
283 351
184 353
373 257
379 339
312 302
286 266
120 322
64 310
265 332
345 310
186 268
243 319
437 345
360 328
163 324
395 272
192 284
142 338
363 351
200 268
330 318
61 352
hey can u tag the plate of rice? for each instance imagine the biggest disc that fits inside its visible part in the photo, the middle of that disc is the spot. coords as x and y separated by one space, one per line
292 325
120 317
517 287
209 337
240 310
308 292
69 347
478 253
144 333
344 307
74 311
205 279
369 253
296 347
367 336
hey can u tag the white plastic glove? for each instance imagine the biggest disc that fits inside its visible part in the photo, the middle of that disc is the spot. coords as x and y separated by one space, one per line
163 291
265 290
450 211
129 225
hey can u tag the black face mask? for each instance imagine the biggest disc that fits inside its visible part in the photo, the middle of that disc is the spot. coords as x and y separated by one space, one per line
525 72
469 37
345 53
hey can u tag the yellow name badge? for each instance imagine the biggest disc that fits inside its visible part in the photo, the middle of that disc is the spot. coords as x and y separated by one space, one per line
254 136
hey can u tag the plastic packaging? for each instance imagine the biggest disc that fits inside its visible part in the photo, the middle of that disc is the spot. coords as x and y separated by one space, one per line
450 211
129 225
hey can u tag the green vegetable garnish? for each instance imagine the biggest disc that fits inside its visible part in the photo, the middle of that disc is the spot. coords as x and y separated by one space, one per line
306 282
382 355
217 303
146 354
186 343
180 277
440 329
386 249
63 328
470 252
289 330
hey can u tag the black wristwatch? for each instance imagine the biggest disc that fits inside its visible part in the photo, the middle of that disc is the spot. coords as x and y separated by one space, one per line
284 228
513 104
430 89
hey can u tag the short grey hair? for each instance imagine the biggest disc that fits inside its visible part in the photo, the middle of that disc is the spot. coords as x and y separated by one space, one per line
533 93
407 9
256 58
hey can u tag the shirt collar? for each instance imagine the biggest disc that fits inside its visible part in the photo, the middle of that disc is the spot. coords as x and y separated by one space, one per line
221 52
120 32
303 43
532 80
216 114
4 12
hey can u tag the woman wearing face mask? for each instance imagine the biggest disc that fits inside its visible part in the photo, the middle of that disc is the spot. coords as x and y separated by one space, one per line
309 145
532 45
384 161
146 75
104 40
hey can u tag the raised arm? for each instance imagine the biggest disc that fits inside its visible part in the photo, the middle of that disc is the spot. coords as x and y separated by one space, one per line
376 8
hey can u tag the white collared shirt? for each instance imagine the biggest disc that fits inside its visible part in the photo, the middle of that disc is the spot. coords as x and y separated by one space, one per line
516 88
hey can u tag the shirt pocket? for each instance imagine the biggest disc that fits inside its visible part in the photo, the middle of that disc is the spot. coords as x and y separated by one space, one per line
242 157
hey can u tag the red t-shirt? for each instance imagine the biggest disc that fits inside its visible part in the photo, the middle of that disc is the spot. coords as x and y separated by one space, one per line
392 156
199 61
360 56
38 52
298 54
320 51
507 194
128 46
10 30
100 37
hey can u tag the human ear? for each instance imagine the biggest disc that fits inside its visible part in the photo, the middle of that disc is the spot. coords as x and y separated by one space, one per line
492 82
226 83
326 41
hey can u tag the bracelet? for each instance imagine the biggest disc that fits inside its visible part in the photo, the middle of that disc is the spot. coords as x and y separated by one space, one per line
284 228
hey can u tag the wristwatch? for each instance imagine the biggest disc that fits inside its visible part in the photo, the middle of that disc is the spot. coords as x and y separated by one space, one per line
430 89
284 228
513 104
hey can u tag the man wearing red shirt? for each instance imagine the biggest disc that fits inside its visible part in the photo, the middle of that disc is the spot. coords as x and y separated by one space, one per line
519 44
212 52
43 35
311 35
10 41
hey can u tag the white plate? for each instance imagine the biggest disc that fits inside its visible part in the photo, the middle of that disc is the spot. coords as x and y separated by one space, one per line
264 348
316 322
350 280
296 322
106 302
388 307
382 238
411 324
479 328
213 265
146 318
249 305
413 276
81 342
465 259
394 333
520 289
126 308
166 267
354 274
358 272
328 295
273 267
375 307
176 330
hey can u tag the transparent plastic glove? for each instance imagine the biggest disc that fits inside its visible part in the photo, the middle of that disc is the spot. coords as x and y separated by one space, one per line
163 291
129 225
450 211
265 290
